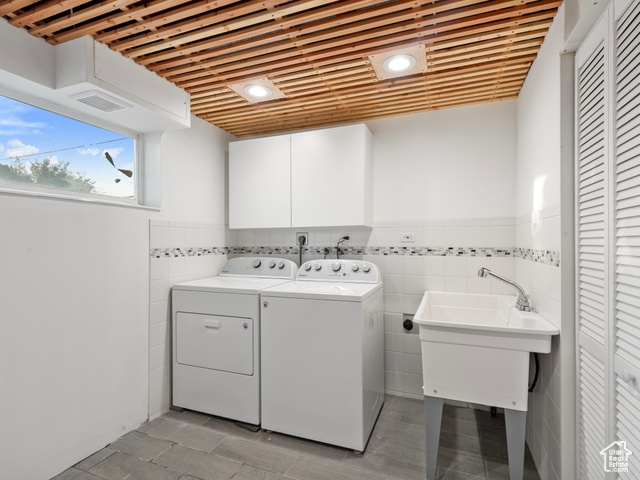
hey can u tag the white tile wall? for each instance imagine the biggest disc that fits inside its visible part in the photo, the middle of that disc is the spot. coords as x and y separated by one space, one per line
406 277
542 283
164 272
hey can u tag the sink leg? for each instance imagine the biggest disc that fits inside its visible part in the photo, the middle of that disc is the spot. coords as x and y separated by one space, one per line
433 417
516 422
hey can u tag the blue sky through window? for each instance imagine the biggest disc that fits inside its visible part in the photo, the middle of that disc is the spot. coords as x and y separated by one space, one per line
30 134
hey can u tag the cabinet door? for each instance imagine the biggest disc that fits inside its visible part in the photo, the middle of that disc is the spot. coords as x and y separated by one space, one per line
260 183
331 177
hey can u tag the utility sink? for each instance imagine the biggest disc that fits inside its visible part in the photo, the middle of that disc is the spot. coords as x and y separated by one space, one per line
476 349
482 320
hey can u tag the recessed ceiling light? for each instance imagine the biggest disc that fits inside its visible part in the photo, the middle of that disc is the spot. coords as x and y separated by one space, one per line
258 91
399 63
410 60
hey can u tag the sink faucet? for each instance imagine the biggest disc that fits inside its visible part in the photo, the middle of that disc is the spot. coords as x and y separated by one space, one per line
523 301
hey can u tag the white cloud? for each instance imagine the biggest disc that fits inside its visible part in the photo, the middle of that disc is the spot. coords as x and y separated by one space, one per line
15 148
114 152
89 151
15 126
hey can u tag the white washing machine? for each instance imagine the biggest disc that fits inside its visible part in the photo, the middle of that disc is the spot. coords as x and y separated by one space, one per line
216 337
323 353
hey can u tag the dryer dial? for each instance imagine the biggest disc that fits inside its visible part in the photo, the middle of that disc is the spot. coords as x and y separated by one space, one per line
256 263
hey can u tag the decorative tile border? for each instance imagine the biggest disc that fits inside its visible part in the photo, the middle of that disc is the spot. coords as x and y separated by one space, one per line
187 252
546 257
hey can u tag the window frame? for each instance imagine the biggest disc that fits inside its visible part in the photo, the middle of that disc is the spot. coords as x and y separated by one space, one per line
138 200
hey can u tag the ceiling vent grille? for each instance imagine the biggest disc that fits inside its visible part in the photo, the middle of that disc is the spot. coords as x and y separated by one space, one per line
101 101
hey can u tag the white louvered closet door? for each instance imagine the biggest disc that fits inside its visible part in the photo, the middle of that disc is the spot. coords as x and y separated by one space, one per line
627 231
593 205
608 263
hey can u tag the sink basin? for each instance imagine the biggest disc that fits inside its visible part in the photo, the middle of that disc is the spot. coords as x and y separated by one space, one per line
483 320
476 347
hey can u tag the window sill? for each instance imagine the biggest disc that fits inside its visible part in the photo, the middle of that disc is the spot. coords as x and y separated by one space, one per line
77 197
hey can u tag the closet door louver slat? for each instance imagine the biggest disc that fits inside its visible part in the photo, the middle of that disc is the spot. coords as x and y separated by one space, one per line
592 227
592 195
592 425
627 189
627 231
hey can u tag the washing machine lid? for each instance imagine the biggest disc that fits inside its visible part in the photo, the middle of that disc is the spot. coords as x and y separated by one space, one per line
224 284
318 290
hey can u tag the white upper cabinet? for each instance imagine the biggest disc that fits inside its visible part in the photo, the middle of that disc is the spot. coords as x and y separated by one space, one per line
260 183
319 178
331 177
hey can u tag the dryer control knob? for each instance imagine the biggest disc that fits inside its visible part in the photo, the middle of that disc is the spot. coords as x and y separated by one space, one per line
256 263
318 266
366 268
355 267
307 267
272 264
336 266
280 265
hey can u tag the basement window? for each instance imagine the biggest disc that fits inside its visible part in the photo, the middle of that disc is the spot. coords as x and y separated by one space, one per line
45 152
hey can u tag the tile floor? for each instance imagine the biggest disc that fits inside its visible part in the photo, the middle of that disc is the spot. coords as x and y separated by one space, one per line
192 446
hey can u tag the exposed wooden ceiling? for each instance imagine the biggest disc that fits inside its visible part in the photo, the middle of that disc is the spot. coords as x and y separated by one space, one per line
315 51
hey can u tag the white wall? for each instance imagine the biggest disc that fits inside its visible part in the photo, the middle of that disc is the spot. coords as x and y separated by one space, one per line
540 127
450 164
73 331
192 219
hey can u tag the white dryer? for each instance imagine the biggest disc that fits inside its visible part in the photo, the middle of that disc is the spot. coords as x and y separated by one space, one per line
216 337
323 353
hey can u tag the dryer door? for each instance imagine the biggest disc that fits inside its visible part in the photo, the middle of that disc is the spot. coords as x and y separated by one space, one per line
216 342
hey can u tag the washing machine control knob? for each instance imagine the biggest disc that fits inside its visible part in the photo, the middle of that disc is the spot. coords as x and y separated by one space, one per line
366 268
280 265
336 266
256 263
355 267
307 267
318 266
272 264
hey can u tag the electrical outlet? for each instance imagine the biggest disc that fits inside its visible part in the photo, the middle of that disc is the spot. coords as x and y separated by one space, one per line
302 234
408 237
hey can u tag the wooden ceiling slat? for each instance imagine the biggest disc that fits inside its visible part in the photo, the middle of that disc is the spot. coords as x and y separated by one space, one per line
235 24
309 122
44 10
338 15
13 6
137 14
315 51
75 18
367 95
379 92
327 40
180 20
355 46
